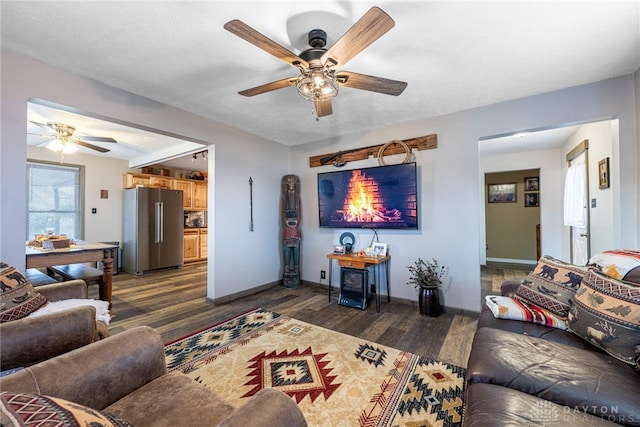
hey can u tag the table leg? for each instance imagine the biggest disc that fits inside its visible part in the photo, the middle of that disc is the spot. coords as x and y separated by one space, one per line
105 290
330 270
386 280
376 275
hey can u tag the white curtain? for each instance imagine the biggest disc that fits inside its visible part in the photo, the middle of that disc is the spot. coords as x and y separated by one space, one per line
575 195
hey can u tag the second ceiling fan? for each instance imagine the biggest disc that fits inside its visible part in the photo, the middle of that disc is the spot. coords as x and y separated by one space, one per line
319 77
63 138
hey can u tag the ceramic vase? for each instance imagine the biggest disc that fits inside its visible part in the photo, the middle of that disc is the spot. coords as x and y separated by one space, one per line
429 302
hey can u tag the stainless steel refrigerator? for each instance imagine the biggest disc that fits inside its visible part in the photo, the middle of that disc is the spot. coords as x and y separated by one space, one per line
153 229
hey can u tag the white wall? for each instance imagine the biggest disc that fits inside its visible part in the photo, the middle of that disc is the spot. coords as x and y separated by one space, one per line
602 138
241 260
450 213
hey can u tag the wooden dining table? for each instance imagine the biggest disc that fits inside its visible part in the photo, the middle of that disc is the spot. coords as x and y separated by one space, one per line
105 253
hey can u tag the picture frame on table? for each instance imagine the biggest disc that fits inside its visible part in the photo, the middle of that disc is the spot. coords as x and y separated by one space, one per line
379 249
603 173
503 193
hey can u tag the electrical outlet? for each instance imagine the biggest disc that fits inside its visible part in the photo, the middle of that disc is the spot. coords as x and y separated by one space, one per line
323 274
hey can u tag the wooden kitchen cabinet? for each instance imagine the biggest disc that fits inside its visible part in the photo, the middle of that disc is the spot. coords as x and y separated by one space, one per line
191 245
133 180
195 192
200 195
187 190
204 243
159 181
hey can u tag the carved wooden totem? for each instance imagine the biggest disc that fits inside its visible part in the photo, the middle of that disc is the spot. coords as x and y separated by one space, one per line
291 235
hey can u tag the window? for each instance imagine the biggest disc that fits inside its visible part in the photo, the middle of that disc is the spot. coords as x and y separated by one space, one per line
54 201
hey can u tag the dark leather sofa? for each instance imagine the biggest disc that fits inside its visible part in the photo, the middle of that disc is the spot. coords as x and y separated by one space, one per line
526 374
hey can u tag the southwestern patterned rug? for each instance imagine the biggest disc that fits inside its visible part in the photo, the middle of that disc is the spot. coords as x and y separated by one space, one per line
336 379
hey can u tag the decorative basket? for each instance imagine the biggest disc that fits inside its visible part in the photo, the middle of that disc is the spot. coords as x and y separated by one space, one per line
55 243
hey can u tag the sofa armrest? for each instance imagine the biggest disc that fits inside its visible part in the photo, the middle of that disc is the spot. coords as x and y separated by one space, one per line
72 289
269 407
33 339
97 374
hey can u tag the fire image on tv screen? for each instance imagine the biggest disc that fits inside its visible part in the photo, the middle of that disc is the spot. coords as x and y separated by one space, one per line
375 197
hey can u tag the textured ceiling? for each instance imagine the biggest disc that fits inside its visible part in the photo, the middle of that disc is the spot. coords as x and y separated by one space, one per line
453 55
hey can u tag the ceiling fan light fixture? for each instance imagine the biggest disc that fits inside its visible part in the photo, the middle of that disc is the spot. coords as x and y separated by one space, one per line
317 85
62 145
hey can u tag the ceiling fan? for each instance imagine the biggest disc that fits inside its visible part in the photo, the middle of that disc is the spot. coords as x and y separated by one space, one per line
319 78
63 140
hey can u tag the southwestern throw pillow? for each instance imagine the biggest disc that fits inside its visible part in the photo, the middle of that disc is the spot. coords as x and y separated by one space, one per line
17 295
23 409
551 285
606 313
513 309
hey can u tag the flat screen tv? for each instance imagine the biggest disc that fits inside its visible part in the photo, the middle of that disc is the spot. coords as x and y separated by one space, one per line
382 197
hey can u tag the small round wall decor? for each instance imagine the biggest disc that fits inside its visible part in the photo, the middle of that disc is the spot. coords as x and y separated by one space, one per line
347 240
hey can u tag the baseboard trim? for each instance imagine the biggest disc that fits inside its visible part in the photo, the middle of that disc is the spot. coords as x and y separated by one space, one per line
246 292
334 291
512 261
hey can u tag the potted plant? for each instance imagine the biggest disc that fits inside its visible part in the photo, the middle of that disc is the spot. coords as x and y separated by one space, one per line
426 276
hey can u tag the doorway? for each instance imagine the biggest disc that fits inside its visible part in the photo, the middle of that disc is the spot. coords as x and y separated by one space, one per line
546 150
512 216
575 203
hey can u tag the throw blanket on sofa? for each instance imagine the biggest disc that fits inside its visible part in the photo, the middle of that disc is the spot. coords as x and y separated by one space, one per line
102 308
513 309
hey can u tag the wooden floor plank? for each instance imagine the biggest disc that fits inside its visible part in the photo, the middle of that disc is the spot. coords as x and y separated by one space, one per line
462 327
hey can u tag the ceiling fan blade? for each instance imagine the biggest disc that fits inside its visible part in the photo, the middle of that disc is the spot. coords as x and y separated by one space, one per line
244 31
44 125
323 108
268 87
373 25
370 83
91 146
97 139
44 143
41 134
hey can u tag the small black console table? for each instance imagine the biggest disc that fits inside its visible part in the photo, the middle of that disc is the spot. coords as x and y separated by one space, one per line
378 264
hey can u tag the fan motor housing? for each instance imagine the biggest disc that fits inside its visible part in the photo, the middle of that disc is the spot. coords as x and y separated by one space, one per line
317 38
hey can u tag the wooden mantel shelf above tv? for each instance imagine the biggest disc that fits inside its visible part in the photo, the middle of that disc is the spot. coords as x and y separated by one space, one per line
419 143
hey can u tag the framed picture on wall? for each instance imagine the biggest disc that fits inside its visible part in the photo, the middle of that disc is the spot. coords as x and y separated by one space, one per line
603 173
531 200
532 184
503 193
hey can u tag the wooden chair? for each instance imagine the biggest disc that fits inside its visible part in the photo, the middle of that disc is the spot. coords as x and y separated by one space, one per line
90 275
38 278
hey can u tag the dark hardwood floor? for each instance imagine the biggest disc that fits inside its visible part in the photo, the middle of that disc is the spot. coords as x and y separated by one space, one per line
174 302
493 274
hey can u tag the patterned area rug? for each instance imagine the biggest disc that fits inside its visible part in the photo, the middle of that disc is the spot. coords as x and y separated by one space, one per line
336 379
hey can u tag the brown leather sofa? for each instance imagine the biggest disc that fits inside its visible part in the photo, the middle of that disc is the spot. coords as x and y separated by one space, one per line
126 375
31 340
521 373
